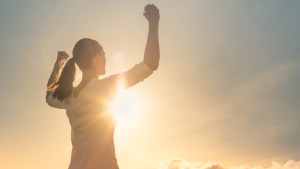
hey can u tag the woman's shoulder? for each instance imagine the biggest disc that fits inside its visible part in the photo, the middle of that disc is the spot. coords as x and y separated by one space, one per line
96 84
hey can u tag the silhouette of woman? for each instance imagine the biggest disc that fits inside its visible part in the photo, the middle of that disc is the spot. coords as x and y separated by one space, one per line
86 105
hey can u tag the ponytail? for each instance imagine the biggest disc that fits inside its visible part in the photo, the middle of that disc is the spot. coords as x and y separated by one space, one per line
64 85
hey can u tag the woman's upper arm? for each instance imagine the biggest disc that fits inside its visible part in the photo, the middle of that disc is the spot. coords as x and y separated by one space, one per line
124 80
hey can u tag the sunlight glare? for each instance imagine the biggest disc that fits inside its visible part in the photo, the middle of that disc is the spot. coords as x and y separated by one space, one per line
124 107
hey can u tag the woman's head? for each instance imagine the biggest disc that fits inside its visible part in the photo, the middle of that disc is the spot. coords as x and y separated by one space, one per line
88 54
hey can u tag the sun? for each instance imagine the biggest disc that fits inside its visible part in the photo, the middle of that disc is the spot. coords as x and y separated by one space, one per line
125 107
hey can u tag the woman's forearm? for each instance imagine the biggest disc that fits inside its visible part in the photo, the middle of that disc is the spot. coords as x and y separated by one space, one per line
152 51
61 58
53 77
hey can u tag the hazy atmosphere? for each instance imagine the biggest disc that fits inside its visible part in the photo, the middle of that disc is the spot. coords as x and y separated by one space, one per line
226 94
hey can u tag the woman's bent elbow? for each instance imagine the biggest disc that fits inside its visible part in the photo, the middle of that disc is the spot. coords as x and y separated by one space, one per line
154 67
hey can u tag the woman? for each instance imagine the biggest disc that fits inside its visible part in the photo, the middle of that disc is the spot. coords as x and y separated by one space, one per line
87 105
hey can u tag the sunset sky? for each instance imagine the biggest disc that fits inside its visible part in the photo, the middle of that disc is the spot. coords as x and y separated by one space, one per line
227 90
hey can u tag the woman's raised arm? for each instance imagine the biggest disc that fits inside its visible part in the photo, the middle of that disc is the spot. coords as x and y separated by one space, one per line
152 52
61 58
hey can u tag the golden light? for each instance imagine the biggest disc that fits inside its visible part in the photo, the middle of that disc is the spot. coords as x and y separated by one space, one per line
124 109
125 106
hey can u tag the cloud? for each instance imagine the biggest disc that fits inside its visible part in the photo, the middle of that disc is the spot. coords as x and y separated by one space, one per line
182 164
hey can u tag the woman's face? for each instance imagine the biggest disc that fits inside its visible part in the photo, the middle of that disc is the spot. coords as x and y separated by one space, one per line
99 63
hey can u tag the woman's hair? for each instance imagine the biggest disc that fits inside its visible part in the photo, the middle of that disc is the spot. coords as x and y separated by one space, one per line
83 53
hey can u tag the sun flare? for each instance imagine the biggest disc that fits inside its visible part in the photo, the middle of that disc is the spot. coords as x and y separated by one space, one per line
124 109
125 106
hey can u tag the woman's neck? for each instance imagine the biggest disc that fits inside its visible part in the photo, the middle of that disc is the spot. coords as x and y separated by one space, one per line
88 75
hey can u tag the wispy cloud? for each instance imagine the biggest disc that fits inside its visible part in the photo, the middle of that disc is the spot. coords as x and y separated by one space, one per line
182 164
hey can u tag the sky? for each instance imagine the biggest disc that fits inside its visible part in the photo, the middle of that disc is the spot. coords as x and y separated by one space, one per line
225 96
